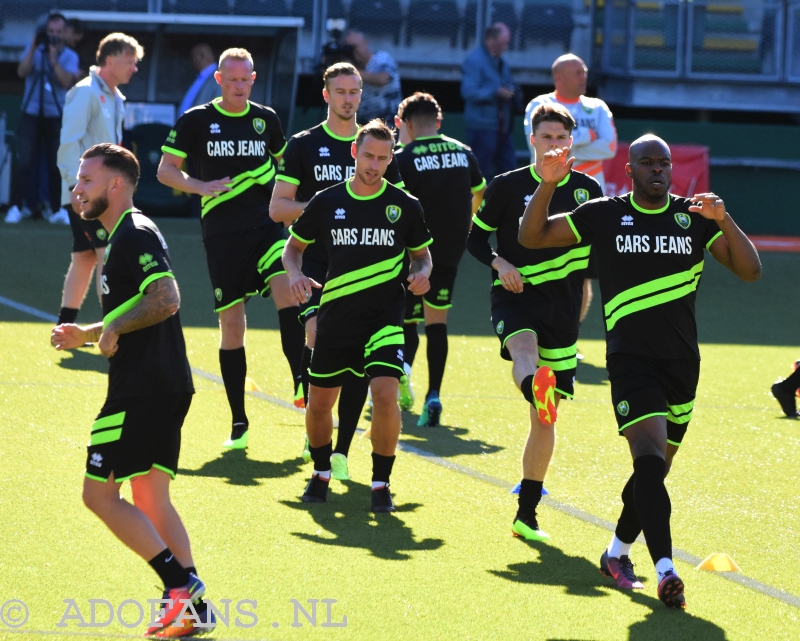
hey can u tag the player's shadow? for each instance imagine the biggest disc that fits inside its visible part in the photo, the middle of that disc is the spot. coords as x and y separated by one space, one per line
580 577
348 522
237 469
84 360
444 440
588 374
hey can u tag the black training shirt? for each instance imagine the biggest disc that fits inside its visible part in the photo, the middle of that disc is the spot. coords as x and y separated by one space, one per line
152 360
236 145
649 265
367 237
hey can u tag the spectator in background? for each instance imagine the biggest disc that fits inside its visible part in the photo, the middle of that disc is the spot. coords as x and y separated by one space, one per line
381 93
491 98
93 113
594 138
204 88
73 36
49 68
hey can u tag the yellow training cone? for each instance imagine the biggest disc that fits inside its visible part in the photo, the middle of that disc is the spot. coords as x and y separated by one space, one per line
719 562
250 385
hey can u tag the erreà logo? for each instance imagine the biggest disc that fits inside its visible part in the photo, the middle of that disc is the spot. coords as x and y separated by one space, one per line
259 125
419 149
393 213
623 408
683 220
145 258
172 135
581 196
218 294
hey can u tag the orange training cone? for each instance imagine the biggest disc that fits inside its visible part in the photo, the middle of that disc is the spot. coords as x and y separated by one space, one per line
719 562
250 385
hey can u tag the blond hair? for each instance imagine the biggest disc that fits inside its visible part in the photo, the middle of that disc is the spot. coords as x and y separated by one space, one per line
236 54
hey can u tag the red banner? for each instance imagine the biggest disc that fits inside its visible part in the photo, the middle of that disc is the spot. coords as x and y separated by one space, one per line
690 173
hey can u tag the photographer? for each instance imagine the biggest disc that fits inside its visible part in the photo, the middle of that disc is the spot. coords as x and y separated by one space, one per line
381 93
49 68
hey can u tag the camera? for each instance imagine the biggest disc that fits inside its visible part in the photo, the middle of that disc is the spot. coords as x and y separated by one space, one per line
335 50
42 39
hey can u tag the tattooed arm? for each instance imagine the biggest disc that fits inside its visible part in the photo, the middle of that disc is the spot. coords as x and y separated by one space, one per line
160 301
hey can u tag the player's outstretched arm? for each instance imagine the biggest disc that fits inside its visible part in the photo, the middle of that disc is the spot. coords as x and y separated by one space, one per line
419 270
535 229
70 336
170 174
299 284
733 249
283 208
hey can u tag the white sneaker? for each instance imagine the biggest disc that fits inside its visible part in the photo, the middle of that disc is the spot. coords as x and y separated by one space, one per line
14 215
61 217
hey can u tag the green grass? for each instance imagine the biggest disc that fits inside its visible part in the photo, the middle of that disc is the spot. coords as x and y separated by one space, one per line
444 566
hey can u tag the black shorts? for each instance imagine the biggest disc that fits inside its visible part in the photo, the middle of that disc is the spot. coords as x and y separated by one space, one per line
133 435
241 263
318 272
643 387
558 350
381 354
87 235
439 296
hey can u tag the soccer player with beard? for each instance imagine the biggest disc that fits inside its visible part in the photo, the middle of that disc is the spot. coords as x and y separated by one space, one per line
137 434
316 159
368 226
232 143
649 246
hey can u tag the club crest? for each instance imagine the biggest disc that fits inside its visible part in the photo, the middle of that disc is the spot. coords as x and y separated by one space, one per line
218 294
500 327
259 125
623 408
581 196
393 213
683 220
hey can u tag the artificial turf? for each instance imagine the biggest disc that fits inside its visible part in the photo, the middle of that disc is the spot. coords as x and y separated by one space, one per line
445 565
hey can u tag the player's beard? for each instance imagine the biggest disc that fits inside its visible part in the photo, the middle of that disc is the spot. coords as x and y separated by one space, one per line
97 207
647 190
345 117
362 176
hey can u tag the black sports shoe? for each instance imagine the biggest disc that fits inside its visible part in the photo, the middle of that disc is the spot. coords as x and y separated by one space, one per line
670 591
316 490
787 401
382 500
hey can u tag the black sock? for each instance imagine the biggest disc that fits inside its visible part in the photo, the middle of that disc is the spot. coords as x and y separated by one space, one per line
192 570
527 388
791 383
172 573
411 338
530 493
382 467
321 457
437 355
67 315
305 362
351 401
233 364
628 526
653 505
293 338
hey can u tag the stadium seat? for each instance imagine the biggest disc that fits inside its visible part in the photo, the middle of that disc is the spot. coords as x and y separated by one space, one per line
260 8
377 17
433 18
151 196
470 23
506 12
546 23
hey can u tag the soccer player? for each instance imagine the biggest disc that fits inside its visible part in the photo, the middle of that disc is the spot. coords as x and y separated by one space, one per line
316 159
232 142
649 246
785 392
444 175
536 300
368 226
137 435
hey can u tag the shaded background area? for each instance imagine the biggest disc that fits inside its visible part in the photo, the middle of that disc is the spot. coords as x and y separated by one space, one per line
34 257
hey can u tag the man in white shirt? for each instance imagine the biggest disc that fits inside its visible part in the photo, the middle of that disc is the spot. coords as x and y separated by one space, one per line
594 137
